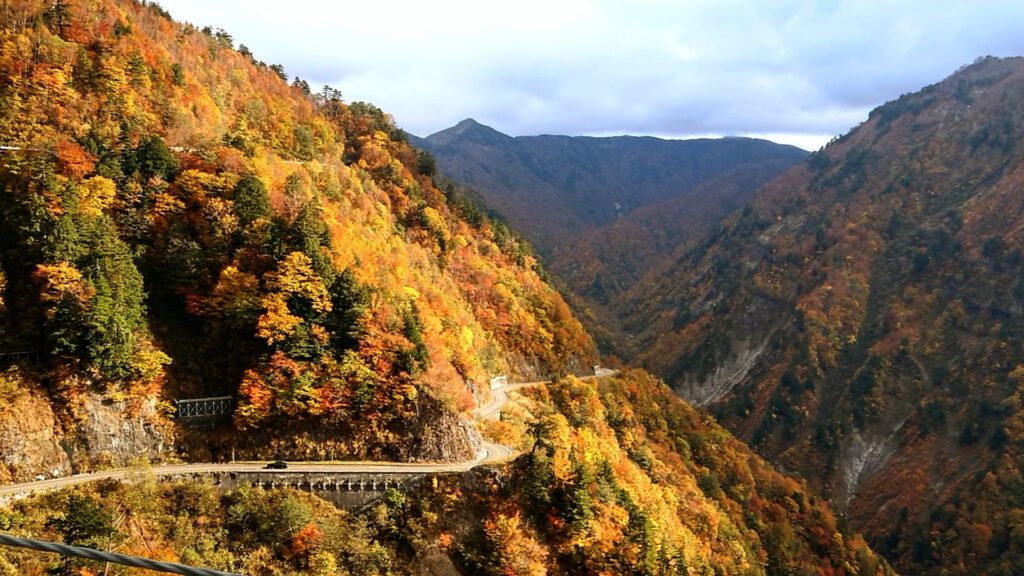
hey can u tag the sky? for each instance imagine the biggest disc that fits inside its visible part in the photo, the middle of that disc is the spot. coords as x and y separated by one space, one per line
792 71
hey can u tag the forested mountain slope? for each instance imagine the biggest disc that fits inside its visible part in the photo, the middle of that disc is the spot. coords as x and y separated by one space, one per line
604 211
178 221
553 188
601 266
862 322
617 477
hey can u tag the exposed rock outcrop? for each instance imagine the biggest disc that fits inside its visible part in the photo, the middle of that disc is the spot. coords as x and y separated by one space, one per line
725 377
114 434
35 442
442 435
30 438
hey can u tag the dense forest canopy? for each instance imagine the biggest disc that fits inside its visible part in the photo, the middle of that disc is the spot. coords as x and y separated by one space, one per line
178 220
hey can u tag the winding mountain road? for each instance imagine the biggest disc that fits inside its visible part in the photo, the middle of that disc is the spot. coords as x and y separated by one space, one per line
499 396
490 452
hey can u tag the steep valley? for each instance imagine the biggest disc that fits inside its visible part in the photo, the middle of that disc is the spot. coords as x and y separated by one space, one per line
604 212
813 347
856 318
860 322
178 221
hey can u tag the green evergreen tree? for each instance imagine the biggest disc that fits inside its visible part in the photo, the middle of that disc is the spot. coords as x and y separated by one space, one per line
64 242
84 523
349 301
151 158
414 359
117 310
251 200
309 234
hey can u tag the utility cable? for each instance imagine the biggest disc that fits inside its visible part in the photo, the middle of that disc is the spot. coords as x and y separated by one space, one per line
124 560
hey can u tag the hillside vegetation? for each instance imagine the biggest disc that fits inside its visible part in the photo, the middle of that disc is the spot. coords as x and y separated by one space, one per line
600 267
178 221
861 323
621 478
604 212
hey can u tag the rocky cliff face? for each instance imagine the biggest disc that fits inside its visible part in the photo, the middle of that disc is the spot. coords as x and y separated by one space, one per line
30 439
115 433
36 441
440 435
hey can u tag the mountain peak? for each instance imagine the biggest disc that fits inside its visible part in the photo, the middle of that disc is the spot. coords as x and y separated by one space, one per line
468 130
469 124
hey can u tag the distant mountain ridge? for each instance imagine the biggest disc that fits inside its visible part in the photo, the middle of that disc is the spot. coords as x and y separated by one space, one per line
603 211
554 187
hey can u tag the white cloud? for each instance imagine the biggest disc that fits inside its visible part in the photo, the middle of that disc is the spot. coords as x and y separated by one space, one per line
796 69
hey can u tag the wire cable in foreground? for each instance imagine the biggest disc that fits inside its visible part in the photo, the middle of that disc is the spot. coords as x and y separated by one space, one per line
90 554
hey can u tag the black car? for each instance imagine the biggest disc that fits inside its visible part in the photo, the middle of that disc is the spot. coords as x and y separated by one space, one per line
278 465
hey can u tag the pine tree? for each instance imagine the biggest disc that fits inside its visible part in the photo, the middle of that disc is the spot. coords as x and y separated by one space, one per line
251 200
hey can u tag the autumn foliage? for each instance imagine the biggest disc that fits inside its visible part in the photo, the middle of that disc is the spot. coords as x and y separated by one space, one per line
171 193
619 476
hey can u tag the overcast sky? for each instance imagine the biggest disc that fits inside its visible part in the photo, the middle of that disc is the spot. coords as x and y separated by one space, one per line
792 71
